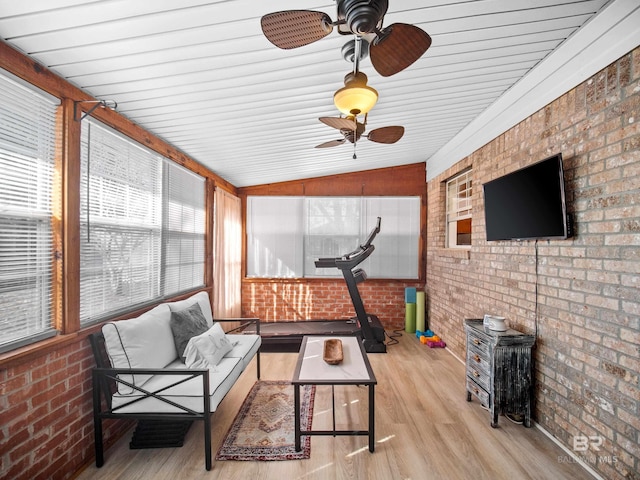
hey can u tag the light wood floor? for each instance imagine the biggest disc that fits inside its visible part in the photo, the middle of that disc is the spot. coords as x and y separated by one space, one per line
425 429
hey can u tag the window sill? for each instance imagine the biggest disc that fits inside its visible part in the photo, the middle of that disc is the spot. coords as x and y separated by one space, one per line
323 279
44 347
35 350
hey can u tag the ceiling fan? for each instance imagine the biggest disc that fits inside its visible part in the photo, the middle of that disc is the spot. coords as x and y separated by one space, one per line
392 49
352 131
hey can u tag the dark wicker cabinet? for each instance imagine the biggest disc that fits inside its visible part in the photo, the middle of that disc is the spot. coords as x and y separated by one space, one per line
499 370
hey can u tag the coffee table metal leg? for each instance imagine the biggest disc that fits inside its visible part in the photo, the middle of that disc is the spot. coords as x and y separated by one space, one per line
296 415
333 408
372 418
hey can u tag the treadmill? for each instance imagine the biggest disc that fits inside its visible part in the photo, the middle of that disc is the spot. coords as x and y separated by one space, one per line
370 328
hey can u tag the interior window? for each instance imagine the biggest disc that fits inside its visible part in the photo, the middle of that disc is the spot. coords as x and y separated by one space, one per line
458 229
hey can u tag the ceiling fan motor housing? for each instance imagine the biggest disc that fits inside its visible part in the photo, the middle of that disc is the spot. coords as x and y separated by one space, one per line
349 50
353 135
362 16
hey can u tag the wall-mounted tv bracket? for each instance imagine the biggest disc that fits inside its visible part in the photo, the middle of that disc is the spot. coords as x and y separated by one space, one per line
78 116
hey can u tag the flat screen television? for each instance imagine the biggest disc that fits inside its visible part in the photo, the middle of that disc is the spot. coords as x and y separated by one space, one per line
528 203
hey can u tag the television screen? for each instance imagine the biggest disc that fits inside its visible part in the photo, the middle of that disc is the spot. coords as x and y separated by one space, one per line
528 203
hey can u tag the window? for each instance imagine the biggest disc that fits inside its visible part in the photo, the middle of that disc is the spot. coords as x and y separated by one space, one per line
142 223
458 229
285 235
27 155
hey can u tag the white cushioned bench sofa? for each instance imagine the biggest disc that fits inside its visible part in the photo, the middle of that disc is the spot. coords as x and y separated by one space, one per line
173 362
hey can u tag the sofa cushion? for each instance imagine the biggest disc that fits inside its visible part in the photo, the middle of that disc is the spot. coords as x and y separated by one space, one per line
245 346
207 349
142 342
188 394
186 324
202 298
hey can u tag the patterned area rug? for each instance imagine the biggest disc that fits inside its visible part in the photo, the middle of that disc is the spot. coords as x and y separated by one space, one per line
263 429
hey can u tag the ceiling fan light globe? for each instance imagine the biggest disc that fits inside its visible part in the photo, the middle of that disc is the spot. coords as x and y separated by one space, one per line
356 97
355 100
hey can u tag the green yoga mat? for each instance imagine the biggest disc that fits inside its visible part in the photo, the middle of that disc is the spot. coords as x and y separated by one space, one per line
420 312
410 318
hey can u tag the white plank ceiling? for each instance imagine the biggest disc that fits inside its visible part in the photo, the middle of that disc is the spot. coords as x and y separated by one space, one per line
201 75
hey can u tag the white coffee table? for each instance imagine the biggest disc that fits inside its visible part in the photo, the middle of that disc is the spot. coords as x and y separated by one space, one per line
355 369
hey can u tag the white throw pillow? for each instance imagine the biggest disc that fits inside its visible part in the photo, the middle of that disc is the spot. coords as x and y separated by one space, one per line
207 349
142 342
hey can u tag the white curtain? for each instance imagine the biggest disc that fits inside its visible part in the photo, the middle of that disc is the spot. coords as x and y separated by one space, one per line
227 255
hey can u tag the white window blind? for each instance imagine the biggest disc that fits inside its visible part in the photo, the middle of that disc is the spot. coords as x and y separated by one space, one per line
275 236
397 245
142 225
184 230
333 227
121 222
27 151
285 235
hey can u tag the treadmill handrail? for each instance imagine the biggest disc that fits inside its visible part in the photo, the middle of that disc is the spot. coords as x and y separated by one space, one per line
361 256
365 249
346 262
325 262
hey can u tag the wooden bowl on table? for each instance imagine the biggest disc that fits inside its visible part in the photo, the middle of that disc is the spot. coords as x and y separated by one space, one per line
333 354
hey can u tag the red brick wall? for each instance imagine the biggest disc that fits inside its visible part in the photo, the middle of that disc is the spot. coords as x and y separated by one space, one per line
323 299
46 420
587 350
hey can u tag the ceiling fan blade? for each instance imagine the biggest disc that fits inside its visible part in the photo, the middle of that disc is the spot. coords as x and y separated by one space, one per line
331 143
386 134
339 122
399 46
295 28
